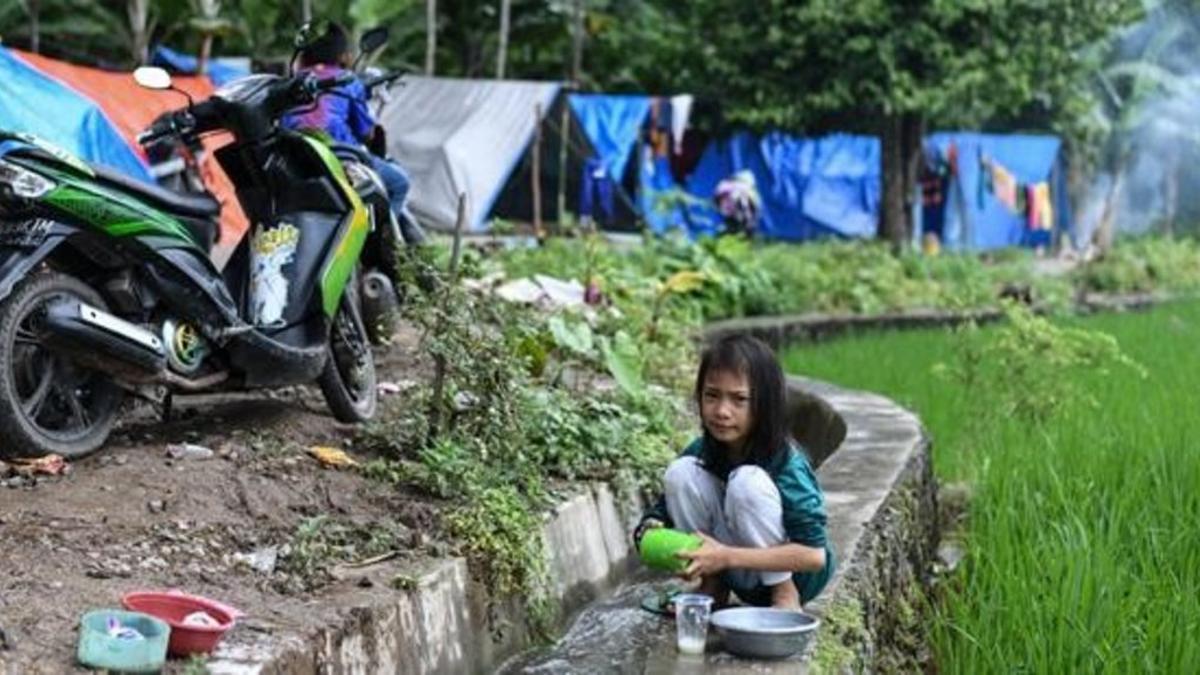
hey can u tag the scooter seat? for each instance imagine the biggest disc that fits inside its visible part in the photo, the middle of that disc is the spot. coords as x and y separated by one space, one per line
178 203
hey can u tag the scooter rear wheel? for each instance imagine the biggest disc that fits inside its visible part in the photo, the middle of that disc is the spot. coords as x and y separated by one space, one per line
48 403
349 380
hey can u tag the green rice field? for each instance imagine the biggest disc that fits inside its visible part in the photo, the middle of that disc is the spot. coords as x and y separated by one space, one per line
1083 539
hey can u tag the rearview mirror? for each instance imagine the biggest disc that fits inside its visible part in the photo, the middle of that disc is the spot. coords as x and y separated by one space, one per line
373 39
152 77
303 36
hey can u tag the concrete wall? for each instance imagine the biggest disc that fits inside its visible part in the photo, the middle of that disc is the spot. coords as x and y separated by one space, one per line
440 626
882 505
881 500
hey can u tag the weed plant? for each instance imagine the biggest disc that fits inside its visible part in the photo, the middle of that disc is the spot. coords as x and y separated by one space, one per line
501 420
748 279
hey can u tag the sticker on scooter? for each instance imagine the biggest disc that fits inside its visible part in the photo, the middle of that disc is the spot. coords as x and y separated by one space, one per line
272 249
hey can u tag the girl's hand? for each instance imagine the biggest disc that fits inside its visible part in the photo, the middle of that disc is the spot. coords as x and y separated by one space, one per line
711 558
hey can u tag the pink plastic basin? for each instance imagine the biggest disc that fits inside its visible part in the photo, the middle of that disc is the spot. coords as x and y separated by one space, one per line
172 607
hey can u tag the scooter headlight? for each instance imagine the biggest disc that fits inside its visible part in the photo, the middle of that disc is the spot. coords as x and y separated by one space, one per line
23 183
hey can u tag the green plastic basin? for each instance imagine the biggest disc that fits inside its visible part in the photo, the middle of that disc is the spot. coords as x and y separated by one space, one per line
98 649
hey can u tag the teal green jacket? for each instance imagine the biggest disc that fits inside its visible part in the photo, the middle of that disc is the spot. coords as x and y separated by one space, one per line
804 516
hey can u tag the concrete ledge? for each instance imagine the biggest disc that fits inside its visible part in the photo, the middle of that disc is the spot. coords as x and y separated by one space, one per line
881 499
779 331
440 625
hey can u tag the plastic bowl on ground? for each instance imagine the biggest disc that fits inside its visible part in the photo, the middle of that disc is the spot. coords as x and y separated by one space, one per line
764 632
99 649
174 607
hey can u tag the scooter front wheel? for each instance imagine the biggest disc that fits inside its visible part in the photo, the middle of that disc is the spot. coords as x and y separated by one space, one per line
349 380
49 403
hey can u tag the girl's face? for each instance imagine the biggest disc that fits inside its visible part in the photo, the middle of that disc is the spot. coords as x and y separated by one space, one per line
725 407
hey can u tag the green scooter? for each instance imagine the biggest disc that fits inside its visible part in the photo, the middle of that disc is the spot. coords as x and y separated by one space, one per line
107 288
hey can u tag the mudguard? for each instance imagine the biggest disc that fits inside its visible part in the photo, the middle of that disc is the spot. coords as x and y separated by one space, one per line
23 246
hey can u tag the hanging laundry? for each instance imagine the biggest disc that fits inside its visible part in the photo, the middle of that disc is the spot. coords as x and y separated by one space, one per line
985 180
1029 207
935 180
658 127
681 110
1044 205
1004 185
596 192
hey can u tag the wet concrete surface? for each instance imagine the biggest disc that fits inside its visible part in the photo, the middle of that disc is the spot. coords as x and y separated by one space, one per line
616 636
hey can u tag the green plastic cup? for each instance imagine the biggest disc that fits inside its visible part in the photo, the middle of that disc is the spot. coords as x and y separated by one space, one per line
660 544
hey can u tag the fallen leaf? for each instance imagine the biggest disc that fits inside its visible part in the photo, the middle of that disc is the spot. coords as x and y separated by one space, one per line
332 457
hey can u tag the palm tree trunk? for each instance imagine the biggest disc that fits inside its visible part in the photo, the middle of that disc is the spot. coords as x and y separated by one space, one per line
138 12
577 43
1106 231
502 49
1171 196
205 54
35 26
430 35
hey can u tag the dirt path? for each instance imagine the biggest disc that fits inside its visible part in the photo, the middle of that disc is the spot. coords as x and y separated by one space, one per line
131 518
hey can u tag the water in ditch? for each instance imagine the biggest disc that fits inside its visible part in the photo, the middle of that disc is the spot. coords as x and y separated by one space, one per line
615 636
611 635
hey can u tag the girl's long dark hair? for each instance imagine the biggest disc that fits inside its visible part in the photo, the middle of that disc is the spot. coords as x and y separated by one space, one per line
769 434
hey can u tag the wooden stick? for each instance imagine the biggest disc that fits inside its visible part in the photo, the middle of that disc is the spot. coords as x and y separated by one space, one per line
537 172
437 411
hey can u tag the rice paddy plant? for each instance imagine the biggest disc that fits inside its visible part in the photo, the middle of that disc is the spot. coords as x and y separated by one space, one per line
1082 542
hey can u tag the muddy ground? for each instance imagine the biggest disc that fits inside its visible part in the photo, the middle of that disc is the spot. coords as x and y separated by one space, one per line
131 518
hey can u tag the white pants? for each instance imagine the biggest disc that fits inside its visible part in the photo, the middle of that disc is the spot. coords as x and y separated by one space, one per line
745 512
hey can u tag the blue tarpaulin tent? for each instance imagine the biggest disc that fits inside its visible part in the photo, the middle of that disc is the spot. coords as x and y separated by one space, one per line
35 103
809 187
832 186
611 124
220 70
978 225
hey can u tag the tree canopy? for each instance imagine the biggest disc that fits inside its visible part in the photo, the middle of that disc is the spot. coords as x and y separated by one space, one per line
887 67
776 63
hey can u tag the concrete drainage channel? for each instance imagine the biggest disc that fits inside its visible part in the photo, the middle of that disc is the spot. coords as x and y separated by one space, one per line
882 504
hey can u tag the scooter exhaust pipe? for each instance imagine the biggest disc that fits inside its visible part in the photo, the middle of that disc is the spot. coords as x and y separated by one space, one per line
378 296
411 230
102 341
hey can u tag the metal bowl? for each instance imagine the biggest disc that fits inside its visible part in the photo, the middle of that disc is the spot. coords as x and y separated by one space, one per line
764 632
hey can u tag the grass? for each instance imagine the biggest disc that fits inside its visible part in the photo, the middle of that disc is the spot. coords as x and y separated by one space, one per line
1082 538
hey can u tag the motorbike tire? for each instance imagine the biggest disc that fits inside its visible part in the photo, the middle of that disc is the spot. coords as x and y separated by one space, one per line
73 393
348 381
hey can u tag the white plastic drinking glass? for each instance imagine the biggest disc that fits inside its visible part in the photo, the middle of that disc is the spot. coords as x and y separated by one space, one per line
692 612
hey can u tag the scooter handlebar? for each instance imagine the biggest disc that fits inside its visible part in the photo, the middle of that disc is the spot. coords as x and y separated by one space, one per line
373 82
174 123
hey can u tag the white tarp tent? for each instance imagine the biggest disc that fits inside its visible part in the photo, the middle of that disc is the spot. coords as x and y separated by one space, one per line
461 137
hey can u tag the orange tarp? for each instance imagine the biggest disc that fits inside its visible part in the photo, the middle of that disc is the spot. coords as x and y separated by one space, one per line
131 109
